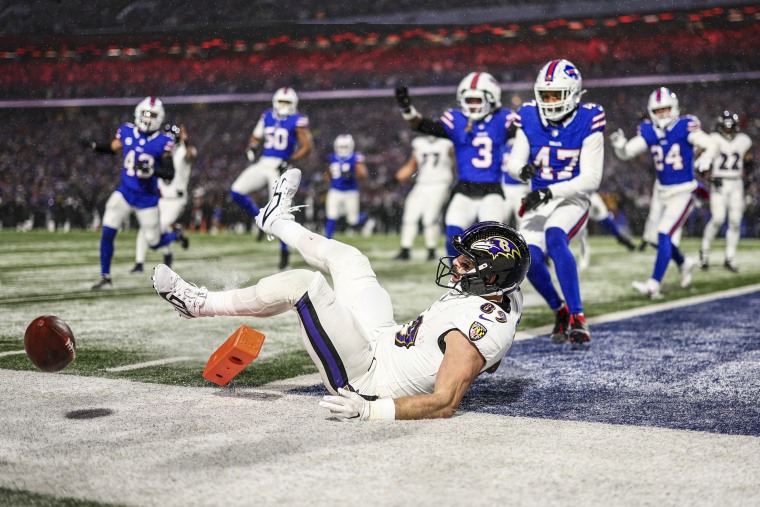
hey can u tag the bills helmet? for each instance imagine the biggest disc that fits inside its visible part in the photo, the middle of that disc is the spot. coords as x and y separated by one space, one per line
149 115
500 256
479 94
660 100
285 102
344 145
558 90
727 124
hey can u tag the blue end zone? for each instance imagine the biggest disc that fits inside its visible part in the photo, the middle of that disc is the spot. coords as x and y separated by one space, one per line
693 368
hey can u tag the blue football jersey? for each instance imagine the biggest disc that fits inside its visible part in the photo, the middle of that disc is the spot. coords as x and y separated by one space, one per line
141 191
672 153
556 149
280 133
343 171
479 150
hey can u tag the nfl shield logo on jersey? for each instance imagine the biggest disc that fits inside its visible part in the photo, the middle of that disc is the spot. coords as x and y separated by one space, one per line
477 331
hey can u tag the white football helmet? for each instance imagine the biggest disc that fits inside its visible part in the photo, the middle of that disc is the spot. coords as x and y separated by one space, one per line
149 115
344 145
478 95
663 98
563 77
285 102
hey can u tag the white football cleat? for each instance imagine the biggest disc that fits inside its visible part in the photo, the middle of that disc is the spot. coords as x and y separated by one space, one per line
186 298
650 288
280 206
689 263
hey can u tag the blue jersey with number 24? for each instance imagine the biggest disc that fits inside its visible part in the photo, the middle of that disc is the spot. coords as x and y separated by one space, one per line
672 153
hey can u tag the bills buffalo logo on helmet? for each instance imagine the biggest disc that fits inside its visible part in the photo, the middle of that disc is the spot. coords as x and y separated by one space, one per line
497 246
571 72
477 331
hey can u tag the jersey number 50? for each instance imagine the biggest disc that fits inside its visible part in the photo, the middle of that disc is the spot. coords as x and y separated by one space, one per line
276 138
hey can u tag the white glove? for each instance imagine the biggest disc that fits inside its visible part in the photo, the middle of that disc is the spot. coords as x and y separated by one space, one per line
703 164
250 153
348 405
618 139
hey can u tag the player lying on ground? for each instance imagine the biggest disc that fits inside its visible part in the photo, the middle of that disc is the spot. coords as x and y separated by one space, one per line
375 368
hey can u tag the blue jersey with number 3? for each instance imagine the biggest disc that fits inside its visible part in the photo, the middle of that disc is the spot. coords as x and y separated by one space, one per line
672 153
141 190
343 171
479 149
280 137
556 149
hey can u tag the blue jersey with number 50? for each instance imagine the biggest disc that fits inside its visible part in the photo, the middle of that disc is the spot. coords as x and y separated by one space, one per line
672 153
479 150
280 137
141 189
556 149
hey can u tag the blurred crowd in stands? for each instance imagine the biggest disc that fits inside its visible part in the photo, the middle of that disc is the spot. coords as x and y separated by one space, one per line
48 180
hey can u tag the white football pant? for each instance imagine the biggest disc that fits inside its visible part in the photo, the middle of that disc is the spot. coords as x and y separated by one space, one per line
425 201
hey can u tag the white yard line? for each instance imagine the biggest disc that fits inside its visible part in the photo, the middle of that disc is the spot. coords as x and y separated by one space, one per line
12 353
146 364
645 310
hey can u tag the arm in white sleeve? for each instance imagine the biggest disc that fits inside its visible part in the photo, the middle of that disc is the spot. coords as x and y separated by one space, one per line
591 165
633 148
701 139
519 155
258 130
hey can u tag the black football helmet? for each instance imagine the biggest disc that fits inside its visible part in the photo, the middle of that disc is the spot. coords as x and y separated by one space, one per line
499 253
172 130
727 124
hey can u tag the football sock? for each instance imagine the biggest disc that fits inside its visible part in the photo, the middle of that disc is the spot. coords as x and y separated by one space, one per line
676 254
611 226
565 267
664 254
541 279
106 249
330 228
166 238
245 202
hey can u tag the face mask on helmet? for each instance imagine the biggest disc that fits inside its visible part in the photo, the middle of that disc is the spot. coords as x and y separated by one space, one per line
727 124
149 115
558 90
172 130
285 102
344 145
497 256
663 107
479 94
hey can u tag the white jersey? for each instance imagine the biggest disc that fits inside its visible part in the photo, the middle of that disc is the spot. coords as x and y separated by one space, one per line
177 187
434 162
729 163
408 359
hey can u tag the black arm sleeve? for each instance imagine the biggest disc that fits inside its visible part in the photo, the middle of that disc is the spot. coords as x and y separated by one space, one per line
431 128
166 170
104 148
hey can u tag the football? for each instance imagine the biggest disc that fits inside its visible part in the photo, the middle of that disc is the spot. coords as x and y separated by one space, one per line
49 343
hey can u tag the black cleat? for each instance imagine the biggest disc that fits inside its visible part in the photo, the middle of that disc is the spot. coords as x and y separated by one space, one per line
643 245
403 255
626 242
284 259
168 258
181 236
137 269
431 254
103 284
578 335
561 324
731 266
704 260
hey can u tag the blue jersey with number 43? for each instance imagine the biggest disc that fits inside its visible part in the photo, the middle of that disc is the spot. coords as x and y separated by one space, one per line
556 149
280 137
672 153
343 171
479 149
141 189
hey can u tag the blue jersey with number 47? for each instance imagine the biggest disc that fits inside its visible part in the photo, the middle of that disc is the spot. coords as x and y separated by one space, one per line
672 153
556 149
480 148
141 189
280 137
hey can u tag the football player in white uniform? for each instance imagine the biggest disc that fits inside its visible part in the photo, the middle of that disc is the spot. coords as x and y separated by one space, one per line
672 140
373 367
559 149
173 195
347 168
727 187
432 165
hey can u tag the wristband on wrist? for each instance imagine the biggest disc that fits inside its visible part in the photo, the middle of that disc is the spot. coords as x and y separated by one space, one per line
382 409
411 114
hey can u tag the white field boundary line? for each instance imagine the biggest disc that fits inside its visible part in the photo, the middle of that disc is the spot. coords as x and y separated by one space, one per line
646 310
147 364
12 353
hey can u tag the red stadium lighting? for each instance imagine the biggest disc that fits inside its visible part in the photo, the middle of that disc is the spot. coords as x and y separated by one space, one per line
667 16
610 23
